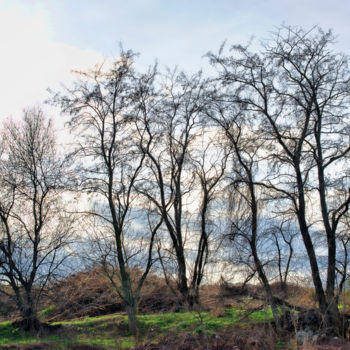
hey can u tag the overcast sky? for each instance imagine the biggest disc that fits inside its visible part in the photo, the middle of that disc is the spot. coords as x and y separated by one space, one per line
42 40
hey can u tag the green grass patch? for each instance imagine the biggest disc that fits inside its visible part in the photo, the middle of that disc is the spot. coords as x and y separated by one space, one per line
261 315
110 331
10 335
47 311
195 321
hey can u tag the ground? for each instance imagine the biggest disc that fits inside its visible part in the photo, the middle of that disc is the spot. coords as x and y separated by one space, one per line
80 314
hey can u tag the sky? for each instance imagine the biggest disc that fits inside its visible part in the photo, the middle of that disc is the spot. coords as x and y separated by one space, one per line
43 40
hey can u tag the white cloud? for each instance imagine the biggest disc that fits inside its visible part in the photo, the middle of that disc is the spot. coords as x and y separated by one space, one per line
30 62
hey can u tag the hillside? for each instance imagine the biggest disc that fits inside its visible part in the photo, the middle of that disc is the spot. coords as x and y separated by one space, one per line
82 312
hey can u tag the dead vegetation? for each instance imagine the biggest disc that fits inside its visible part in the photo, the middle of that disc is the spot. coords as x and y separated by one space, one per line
88 293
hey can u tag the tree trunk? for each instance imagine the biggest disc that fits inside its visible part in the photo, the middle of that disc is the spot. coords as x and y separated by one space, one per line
30 320
266 284
130 300
193 297
332 322
132 319
304 230
182 278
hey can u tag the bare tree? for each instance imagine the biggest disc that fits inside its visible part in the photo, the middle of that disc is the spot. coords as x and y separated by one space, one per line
173 125
343 243
244 142
209 161
283 235
298 91
103 106
34 227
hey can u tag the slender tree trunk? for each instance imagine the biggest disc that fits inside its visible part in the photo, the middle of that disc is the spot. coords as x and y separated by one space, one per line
182 278
131 302
327 306
344 272
202 251
265 283
193 297
304 230
253 242
131 311
30 318
333 315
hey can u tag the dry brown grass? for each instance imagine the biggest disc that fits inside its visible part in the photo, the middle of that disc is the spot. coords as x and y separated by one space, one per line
332 344
90 293
82 294
302 296
239 339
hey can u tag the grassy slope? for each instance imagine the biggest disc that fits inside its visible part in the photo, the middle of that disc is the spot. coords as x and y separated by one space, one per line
110 331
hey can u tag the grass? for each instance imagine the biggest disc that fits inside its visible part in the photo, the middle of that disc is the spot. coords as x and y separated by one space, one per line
48 311
10 335
110 331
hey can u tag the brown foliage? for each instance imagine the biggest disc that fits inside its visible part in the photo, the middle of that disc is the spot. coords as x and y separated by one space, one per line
90 293
83 294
